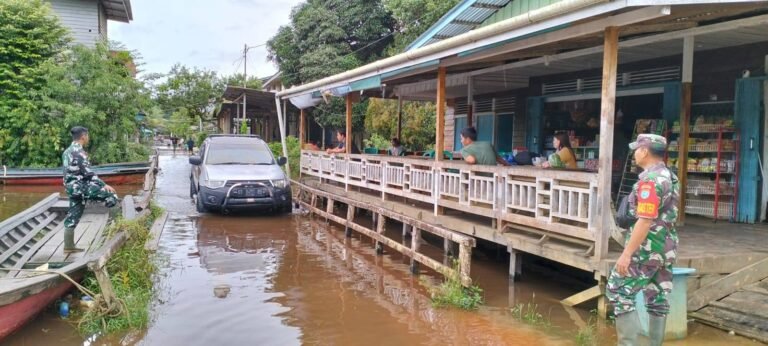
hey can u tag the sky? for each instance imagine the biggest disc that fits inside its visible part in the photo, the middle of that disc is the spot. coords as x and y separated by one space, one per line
203 33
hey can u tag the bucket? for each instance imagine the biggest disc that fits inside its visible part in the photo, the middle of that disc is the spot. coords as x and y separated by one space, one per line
677 320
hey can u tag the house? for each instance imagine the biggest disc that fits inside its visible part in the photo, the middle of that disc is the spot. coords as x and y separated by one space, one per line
87 19
602 72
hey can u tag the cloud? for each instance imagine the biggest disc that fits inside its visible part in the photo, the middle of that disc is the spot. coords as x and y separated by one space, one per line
203 33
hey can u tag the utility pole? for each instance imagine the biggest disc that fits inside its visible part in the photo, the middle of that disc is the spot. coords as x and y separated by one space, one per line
245 79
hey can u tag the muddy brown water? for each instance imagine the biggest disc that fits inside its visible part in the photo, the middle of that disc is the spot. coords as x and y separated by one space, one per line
287 280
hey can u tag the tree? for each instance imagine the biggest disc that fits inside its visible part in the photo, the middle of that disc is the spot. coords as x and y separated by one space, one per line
236 80
413 18
327 37
196 90
83 87
418 131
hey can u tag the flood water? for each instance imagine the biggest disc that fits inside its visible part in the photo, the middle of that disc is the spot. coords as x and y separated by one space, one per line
294 280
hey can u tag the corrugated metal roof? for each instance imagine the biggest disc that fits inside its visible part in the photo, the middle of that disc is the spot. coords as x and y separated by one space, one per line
118 10
464 17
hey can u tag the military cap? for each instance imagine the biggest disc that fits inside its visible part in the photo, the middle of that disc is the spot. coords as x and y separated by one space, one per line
650 141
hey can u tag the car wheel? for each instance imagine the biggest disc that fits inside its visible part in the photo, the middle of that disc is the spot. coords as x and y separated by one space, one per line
199 205
192 189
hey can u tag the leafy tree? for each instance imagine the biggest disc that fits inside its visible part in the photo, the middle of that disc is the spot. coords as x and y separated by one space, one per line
327 37
237 80
413 18
86 87
418 131
196 90
180 124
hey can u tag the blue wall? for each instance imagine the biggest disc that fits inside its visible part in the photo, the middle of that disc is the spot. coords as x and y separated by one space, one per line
749 122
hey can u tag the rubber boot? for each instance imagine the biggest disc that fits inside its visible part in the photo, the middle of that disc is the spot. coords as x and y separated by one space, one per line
657 326
627 329
69 241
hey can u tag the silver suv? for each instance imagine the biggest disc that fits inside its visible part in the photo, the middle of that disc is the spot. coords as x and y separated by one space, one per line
238 172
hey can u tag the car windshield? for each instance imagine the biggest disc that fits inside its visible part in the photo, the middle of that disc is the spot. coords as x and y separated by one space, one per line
238 154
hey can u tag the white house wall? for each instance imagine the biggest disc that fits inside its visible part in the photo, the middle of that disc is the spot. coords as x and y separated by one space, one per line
82 19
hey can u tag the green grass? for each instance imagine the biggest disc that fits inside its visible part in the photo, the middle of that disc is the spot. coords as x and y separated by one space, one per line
529 313
130 270
452 293
587 335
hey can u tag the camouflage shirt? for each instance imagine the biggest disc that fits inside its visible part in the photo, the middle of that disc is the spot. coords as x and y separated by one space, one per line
77 171
655 196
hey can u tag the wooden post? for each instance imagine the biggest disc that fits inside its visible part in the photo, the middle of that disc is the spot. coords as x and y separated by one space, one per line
515 264
350 219
470 100
302 128
607 118
400 118
440 115
415 245
685 129
465 262
381 222
99 267
348 144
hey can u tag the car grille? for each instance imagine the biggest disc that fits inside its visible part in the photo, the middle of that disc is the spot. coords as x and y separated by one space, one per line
249 182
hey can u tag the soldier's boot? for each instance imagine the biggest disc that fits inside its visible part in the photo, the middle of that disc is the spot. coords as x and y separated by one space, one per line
627 329
69 241
657 326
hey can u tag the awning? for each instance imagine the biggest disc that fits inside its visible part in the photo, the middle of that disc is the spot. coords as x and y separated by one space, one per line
306 100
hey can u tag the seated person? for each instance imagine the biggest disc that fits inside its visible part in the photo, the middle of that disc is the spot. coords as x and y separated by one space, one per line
478 153
564 157
311 145
397 149
341 137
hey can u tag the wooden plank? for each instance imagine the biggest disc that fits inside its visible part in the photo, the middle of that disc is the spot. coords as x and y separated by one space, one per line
440 115
607 119
685 129
129 208
348 144
23 241
154 233
727 285
34 249
583 296
724 264
98 266
12 222
728 320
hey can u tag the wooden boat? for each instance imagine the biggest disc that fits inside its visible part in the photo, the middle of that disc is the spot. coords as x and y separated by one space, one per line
35 238
113 174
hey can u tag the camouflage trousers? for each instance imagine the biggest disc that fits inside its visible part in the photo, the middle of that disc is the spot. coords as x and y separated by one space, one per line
77 202
654 280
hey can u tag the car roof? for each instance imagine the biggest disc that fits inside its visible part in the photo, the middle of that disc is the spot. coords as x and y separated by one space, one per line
234 139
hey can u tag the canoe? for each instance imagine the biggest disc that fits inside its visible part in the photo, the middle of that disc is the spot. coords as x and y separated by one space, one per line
113 174
34 238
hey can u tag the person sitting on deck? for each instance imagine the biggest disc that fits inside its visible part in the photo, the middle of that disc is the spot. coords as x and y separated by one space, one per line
311 145
478 153
397 149
341 136
564 157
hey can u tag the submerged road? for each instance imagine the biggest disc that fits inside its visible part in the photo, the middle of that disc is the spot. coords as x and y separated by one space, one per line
290 280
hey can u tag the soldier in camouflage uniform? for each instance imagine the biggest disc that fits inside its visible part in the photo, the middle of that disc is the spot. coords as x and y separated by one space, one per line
651 249
82 185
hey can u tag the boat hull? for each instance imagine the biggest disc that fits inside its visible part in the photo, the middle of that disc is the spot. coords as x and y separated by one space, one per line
111 179
15 315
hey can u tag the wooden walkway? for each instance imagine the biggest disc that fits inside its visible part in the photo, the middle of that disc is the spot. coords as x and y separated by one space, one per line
743 312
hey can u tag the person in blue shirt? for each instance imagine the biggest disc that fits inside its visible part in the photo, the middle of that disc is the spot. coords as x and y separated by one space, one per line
341 137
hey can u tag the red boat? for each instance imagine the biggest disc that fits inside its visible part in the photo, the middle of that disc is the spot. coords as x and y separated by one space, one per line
113 174
31 241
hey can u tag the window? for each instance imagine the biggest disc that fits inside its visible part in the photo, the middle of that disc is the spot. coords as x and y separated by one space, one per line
239 154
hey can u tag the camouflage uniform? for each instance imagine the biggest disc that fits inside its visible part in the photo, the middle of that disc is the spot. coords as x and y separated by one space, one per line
650 268
82 184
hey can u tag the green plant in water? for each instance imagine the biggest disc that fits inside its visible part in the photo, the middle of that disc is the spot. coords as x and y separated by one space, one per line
130 270
587 335
529 313
452 293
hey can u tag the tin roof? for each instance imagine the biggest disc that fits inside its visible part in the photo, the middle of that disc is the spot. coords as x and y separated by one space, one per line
464 17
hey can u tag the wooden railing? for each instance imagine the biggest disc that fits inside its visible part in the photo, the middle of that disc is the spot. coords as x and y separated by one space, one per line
561 203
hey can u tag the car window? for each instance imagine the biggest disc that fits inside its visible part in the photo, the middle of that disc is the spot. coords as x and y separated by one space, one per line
234 154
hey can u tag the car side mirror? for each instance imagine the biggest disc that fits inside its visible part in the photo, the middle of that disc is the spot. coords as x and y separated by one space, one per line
195 160
282 160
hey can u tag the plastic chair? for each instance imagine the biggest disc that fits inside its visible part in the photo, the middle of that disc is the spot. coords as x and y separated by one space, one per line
370 150
446 154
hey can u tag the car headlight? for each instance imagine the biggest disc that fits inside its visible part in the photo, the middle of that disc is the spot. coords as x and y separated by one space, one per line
281 183
214 184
